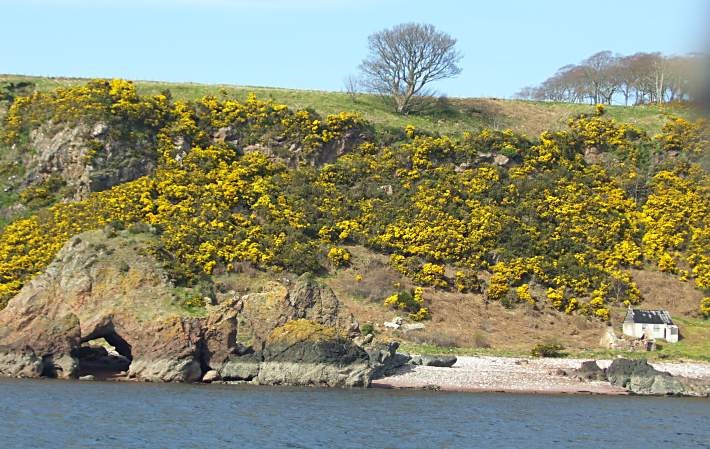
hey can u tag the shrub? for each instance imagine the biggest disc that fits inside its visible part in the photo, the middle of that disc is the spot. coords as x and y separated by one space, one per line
547 350
367 329
409 302
339 257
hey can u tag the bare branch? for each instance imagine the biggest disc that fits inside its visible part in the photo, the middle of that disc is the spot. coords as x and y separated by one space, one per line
406 58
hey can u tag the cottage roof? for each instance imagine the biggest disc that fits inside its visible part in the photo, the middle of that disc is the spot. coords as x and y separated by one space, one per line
648 317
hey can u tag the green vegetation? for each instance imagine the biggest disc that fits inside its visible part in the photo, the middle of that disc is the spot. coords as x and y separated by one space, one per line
547 350
443 115
554 221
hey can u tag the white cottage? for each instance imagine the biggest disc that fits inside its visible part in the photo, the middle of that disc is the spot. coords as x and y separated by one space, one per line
650 323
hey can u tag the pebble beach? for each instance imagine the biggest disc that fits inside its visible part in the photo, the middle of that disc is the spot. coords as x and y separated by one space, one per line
520 375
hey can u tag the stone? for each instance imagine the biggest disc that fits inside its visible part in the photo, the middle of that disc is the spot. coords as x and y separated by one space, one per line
87 377
442 361
303 352
210 376
500 159
407 327
589 370
592 155
385 360
396 323
639 377
363 340
241 368
387 189
99 130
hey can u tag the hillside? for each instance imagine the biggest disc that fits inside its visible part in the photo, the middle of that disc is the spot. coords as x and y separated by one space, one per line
452 116
493 239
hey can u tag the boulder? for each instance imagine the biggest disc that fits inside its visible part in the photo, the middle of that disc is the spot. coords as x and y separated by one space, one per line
639 377
210 376
278 303
304 352
385 360
396 323
442 361
500 159
589 371
408 327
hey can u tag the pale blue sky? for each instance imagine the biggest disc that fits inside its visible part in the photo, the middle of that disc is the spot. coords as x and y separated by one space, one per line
314 44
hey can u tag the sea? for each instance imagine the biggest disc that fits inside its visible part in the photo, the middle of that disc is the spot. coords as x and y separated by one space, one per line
83 414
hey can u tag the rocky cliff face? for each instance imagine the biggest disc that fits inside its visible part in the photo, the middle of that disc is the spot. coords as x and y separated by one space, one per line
108 286
101 287
87 158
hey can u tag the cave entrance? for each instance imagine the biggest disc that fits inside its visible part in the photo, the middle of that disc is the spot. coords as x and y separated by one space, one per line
104 356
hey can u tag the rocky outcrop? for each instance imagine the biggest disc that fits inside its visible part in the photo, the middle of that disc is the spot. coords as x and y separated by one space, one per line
88 158
107 287
639 377
293 152
303 352
279 303
590 371
111 288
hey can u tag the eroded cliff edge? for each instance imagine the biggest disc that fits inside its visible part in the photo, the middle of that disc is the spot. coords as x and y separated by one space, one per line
109 287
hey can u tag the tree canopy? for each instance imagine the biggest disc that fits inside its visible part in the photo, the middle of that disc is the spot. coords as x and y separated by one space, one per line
403 60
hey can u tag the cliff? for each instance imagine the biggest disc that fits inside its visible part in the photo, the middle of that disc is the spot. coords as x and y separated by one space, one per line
107 285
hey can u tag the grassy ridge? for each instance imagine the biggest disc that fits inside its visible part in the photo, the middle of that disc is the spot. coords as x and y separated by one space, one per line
452 116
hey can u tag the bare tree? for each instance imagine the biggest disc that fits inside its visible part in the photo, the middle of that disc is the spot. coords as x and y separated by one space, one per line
597 69
605 77
352 86
406 58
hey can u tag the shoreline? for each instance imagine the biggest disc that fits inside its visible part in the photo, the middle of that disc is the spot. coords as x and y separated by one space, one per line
520 376
485 374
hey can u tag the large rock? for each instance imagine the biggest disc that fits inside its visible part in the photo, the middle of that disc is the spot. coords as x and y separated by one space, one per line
303 352
277 304
20 362
441 361
108 286
641 378
385 360
589 370
111 288
244 368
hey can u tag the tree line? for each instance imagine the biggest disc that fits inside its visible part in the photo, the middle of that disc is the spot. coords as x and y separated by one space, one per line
606 78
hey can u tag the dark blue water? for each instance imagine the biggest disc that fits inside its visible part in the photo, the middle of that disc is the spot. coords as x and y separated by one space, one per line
56 414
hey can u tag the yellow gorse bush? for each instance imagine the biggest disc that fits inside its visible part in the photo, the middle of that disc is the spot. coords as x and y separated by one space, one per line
549 223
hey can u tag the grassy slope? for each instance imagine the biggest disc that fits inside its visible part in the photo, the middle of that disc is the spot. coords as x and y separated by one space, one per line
529 117
463 323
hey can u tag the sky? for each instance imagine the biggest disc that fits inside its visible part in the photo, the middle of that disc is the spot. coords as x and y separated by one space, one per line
315 44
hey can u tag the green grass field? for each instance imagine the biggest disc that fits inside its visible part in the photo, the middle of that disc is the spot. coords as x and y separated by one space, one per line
452 116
